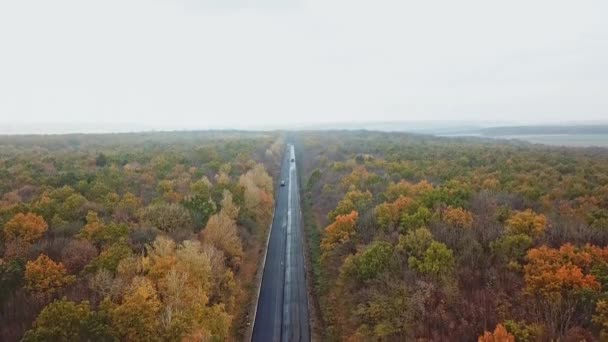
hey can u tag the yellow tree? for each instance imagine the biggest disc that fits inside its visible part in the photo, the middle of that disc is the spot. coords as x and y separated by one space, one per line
93 227
258 198
527 222
388 215
21 231
136 318
221 232
353 200
228 206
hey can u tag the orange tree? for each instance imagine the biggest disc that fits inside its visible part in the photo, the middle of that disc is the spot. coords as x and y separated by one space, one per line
561 281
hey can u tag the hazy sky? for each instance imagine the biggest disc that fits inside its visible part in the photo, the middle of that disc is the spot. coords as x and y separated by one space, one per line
210 63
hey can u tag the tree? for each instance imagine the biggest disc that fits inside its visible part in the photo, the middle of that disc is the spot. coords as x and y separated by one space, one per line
93 226
339 232
167 217
44 277
101 160
555 273
500 334
258 189
11 277
110 257
354 200
64 320
560 280
437 261
511 249
201 208
372 261
388 215
458 217
600 318
228 206
61 320
415 242
527 222
136 317
73 207
419 218
101 234
127 207
221 232
77 254
26 227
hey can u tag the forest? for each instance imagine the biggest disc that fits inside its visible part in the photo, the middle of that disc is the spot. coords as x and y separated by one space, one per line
159 236
414 237
133 237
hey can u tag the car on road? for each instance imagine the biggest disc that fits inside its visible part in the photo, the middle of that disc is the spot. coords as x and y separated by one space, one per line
282 183
292 160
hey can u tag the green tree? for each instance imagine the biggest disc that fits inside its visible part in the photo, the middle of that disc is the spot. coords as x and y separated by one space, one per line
167 217
375 259
437 260
512 249
61 320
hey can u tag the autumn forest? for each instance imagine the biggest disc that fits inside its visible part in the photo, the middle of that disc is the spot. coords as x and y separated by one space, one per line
161 236
132 237
456 239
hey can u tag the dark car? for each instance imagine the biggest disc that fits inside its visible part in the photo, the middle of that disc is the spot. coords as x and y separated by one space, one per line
292 160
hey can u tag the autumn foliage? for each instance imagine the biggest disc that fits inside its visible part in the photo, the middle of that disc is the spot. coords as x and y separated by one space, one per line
500 334
556 272
456 239
44 277
340 231
527 222
25 227
133 237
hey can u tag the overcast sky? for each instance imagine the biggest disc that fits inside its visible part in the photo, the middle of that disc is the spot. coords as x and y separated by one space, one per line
221 63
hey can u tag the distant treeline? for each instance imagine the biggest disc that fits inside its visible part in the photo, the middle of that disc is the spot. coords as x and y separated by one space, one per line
533 130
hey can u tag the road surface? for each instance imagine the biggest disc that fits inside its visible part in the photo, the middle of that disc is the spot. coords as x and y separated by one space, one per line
282 310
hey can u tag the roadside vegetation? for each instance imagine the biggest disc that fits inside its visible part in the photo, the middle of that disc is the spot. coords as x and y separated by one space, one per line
134 237
423 238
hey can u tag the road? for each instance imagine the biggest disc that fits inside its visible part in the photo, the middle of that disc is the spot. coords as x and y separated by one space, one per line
282 310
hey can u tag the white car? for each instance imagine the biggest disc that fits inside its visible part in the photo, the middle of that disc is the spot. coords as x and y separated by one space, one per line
282 183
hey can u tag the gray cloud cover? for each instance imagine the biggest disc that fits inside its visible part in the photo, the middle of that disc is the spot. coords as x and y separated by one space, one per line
196 64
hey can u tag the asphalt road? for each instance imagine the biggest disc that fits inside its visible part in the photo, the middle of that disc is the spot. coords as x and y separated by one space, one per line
282 310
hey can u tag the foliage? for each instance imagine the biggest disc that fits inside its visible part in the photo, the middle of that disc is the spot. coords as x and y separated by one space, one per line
500 334
64 320
458 217
554 273
21 231
167 217
512 249
340 231
437 260
354 200
221 232
110 257
481 231
527 222
374 260
85 215
44 277
135 319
